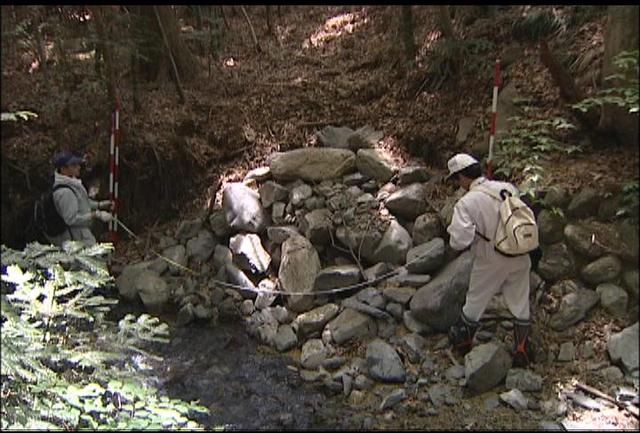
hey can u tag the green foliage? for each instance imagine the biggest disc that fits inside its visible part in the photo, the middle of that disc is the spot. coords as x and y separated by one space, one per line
626 94
63 365
630 199
530 141
15 116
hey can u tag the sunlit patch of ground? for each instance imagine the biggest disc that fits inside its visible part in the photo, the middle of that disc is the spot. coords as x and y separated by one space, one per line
334 27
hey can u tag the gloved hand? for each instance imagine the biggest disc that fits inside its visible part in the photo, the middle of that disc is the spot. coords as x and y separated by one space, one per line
104 216
106 205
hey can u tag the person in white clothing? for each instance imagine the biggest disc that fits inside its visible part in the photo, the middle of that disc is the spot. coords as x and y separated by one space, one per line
73 203
475 219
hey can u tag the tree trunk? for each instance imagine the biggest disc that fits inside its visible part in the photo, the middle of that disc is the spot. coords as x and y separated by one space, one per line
621 34
446 27
103 29
568 89
407 34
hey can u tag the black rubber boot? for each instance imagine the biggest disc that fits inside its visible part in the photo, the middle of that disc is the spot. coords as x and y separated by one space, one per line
461 334
523 353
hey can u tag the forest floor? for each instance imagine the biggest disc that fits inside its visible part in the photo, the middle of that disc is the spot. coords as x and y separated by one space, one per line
325 65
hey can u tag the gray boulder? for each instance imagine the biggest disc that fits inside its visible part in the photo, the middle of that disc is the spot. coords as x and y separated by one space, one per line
317 226
426 258
176 254
153 291
313 353
314 320
201 246
438 303
312 164
351 324
557 262
408 202
243 209
384 363
584 204
524 380
413 174
426 227
337 276
581 239
551 226
604 269
573 308
394 245
371 163
285 338
249 254
271 192
623 348
613 298
486 366
299 267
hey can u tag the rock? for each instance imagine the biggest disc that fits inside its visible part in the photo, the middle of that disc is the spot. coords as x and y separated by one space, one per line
218 223
354 179
465 126
371 163
407 203
243 209
426 258
414 325
201 247
551 226
567 352
312 164
153 291
317 226
337 276
401 295
371 296
384 363
613 299
376 271
365 309
584 204
201 312
413 174
247 289
315 320
486 365
188 229
631 280
298 270
247 308
271 192
515 398
454 372
582 240
396 396
556 196
285 339
394 245
228 311
259 174
265 296
612 373
351 324
313 353
573 308
299 194
439 393
127 279
438 303
557 262
364 241
249 254
178 255
279 234
410 280
426 227
604 269
524 380
221 256
396 311
623 348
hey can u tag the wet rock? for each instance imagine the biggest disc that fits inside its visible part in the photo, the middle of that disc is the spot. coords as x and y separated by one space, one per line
573 308
298 270
384 363
314 320
337 276
285 338
426 258
351 324
371 163
426 227
486 366
613 299
312 164
393 399
604 269
524 380
395 244
249 253
623 348
407 203
515 398
438 303
243 209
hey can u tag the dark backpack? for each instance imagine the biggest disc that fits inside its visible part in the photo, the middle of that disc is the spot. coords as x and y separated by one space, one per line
46 216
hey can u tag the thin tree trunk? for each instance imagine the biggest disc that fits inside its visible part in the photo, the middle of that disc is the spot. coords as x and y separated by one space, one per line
174 69
407 34
568 89
253 33
100 14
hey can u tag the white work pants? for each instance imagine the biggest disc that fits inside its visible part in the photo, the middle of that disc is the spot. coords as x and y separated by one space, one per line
491 275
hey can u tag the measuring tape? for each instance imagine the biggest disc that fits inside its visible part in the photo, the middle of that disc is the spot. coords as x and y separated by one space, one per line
277 292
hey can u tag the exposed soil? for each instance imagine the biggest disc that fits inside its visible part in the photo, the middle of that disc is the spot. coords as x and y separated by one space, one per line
315 72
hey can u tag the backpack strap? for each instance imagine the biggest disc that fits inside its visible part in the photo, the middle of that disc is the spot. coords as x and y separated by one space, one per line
60 186
491 193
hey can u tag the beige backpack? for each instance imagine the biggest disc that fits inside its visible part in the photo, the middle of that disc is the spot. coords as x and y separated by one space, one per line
517 231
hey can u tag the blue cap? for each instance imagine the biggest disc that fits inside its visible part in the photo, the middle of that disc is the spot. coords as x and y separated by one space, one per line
66 158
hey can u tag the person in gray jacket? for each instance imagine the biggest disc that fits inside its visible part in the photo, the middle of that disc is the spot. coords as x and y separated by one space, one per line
475 217
73 203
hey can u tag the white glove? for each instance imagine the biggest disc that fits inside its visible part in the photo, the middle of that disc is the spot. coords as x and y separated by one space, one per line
103 216
106 204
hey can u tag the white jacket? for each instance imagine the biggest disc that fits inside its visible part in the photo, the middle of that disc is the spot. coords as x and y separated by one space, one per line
477 211
75 208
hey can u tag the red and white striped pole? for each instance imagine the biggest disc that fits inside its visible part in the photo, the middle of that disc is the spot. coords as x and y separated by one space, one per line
494 117
114 151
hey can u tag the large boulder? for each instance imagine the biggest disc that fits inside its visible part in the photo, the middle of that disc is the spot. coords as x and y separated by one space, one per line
299 267
623 348
351 324
573 308
408 202
243 209
314 320
438 303
312 164
426 258
486 366
383 362
249 254
395 244
372 163
201 246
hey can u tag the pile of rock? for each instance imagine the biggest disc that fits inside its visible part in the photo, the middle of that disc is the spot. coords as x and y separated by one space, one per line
325 219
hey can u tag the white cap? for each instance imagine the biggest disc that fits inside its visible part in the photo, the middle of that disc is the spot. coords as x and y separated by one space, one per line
460 162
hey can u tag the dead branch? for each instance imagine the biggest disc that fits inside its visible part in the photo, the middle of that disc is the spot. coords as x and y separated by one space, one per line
593 391
253 33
